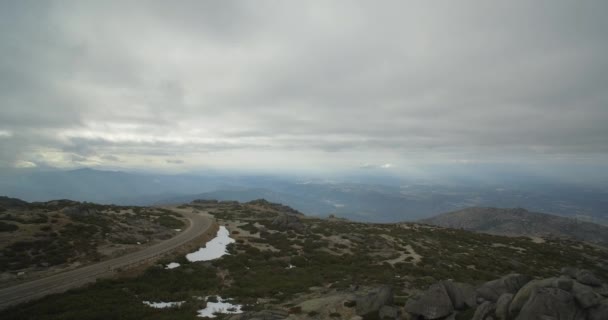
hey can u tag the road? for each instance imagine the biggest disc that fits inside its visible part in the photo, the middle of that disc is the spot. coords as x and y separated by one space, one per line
60 282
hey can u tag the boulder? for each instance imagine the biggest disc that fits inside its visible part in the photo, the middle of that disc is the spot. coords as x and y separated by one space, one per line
484 311
588 278
434 303
551 303
502 306
522 296
388 312
374 300
599 312
491 290
462 295
563 283
603 290
569 272
585 296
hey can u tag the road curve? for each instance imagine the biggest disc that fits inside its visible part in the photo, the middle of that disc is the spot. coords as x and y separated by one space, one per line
63 281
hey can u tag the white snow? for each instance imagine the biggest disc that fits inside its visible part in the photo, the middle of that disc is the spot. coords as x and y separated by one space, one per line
221 306
213 249
290 266
163 305
172 265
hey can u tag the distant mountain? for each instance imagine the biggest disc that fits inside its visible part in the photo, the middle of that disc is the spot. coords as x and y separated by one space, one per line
361 198
248 194
520 222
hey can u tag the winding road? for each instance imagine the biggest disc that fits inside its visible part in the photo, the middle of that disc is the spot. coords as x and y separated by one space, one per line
63 281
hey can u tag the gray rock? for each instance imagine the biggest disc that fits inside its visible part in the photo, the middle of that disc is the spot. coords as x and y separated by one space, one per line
551 303
373 301
563 283
502 306
524 294
388 312
599 312
434 303
261 315
569 272
588 278
603 290
462 295
288 221
511 283
585 296
484 311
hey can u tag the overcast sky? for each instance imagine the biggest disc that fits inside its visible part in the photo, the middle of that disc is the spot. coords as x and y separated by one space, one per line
302 85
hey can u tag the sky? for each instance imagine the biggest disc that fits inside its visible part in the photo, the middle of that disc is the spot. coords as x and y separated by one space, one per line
302 85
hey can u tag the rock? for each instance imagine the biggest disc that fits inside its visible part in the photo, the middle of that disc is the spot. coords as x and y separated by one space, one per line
373 301
451 316
588 278
356 318
288 221
484 311
434 303
502 306
569 272
563 283
262 315
585 296
522 296
599 312
388 312
511 283
551 303
603 290
462 295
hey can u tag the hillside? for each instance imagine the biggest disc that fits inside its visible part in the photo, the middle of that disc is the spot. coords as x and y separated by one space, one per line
40 238
284 265
520 222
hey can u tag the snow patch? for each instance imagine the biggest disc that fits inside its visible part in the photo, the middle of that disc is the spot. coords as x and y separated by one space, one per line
163 305
172 265
214 249
221 306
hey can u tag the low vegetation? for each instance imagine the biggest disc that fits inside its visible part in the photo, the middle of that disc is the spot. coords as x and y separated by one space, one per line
271 266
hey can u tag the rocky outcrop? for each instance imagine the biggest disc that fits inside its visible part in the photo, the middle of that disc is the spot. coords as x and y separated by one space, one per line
374 300
551 303
462 295
492 290
517 297
484 311
434 303
502 306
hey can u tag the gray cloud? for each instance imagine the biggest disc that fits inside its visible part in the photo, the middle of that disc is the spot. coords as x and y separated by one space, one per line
308 84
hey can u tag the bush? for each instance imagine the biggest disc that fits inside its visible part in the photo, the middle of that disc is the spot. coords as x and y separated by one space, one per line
8 227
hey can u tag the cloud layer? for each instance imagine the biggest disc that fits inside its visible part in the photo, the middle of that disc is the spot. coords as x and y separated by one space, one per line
301 85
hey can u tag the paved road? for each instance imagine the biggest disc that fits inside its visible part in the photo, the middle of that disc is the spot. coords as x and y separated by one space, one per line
75 278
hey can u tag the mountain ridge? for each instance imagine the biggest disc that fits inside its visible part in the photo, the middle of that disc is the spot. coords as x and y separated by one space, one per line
520 222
